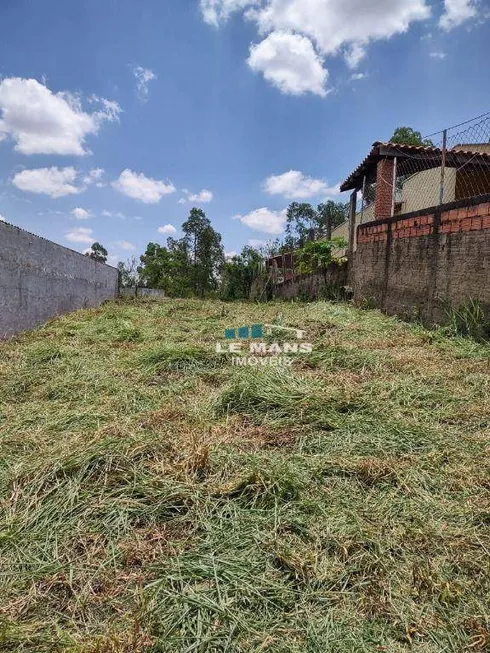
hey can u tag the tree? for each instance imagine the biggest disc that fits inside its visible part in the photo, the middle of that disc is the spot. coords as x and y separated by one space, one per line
317 255
187 266
239 273
205 252
97 253
128 273
302 218
408 136
181 268
156 268
331 214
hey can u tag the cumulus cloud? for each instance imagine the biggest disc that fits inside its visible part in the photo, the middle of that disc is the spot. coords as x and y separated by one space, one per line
81 214
139 187
217 11
329 26
42 122
55 182
295 185
270 222
457 12
289 62
80 235
341 25
201 198
126 245
2 219
167 229
143 77
230 255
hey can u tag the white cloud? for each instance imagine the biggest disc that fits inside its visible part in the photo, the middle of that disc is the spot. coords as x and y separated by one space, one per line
113 214
457 12
333 26
230 255
217 11
143 77
357 77
94 176
202 198
139 187
80 235
270 222
55 182
2 219
290 63
354 54
295 185
81 214
167 229
43 122
437 55
336 25
126 245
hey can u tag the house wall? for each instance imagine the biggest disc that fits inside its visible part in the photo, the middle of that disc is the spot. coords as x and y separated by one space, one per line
342 231
422 189
366 216
421 265
39 279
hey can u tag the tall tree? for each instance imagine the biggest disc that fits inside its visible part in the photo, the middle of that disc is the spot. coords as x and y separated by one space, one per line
239 273
302 218
155 270
205 251
97 253
408 136
181 266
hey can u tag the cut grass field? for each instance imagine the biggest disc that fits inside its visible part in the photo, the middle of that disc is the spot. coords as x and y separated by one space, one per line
155 498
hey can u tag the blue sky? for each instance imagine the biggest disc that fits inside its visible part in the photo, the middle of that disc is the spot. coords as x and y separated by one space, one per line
118 116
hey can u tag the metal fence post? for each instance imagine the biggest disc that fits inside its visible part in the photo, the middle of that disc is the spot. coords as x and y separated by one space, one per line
443 166
352 225
362 199
393 190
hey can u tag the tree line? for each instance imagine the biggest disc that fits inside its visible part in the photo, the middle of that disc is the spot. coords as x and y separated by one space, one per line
195 265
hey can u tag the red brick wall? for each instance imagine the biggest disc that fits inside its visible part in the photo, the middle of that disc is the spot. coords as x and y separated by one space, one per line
384 189
420 265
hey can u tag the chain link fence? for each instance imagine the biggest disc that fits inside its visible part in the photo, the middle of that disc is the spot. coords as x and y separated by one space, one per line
450 165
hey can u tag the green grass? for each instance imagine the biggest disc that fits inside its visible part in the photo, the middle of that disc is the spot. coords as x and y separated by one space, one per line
155 498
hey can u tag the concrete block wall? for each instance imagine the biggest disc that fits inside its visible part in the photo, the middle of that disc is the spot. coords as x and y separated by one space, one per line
314 286
40 279
421 265
149 293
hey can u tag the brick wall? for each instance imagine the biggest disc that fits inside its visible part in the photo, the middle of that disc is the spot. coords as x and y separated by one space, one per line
383 203
423 263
